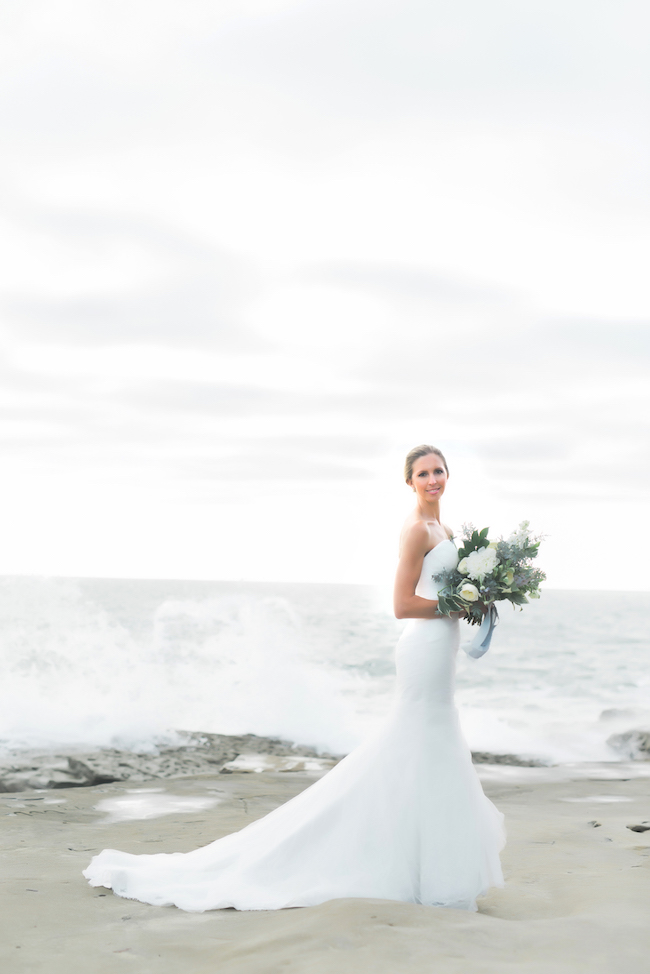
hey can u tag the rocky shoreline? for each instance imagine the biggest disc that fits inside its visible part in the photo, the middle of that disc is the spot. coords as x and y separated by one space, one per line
196 754
202 753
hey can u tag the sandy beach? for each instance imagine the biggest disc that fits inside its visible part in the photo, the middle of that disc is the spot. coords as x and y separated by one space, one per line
576 894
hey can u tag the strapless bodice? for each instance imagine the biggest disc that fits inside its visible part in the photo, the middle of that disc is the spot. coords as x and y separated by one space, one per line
440 559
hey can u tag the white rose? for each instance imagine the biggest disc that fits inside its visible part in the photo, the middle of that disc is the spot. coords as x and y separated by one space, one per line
462 566
481 562
468 592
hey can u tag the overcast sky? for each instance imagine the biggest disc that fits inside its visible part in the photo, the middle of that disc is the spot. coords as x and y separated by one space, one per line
255 250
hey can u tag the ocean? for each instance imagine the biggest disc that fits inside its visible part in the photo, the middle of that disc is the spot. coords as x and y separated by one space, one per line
127 663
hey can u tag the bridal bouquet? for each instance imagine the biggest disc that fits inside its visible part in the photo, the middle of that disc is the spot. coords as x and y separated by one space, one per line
489 572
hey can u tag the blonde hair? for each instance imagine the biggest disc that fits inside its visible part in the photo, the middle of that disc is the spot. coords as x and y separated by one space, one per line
415 454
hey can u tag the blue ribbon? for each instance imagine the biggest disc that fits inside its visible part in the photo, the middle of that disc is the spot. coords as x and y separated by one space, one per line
481 641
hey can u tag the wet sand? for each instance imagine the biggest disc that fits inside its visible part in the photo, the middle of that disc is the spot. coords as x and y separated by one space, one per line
576 898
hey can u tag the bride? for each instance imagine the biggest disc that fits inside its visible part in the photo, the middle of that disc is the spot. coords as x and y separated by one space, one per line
403 817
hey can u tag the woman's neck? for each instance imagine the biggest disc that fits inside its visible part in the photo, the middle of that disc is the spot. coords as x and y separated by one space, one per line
429 510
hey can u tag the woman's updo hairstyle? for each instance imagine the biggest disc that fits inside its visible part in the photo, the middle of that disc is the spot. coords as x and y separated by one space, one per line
415 454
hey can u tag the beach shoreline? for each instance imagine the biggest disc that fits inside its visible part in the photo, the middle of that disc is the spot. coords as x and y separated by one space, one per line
575 897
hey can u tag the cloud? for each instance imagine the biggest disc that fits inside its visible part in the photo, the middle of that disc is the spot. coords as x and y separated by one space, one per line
325 71
252 469
406 283
97 278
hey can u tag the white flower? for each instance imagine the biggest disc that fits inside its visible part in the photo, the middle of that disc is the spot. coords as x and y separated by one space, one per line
480 563
462 566
519 538
468 592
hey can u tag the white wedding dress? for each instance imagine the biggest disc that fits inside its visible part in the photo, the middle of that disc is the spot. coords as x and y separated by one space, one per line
403 817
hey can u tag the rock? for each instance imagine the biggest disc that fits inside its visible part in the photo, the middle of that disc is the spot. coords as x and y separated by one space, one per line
40 771
485 757
197 754
639 828
613 713
96 772
634 744
594 824
247 763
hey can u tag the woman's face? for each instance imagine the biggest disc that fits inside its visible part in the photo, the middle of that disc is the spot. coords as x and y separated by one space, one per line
429 477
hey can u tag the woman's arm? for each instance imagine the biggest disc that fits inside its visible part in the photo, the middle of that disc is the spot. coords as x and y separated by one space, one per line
408 605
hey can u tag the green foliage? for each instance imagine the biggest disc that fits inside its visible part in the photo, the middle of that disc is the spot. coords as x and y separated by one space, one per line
473 542
518 598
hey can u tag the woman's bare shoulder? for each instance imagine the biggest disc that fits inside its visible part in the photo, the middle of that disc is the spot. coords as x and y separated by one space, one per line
415 536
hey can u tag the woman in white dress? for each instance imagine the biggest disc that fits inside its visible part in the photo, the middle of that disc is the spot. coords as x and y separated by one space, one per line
403 817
